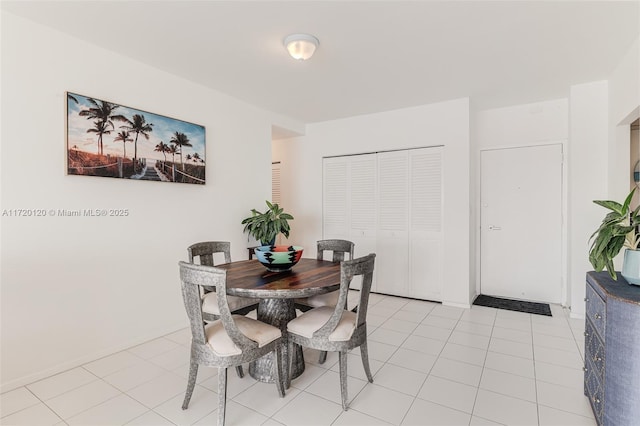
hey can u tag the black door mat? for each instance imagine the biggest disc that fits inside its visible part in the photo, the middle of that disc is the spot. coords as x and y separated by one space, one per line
513 305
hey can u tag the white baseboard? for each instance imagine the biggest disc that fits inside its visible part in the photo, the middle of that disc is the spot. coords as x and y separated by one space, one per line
576 315
457 305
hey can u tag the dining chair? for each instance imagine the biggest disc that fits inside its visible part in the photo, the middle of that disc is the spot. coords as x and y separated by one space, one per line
340 249
335 328
204 253
228 341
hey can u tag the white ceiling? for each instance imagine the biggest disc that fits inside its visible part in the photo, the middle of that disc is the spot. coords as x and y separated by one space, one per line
373 56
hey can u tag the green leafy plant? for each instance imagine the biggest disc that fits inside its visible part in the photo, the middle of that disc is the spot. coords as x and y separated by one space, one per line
618 229
266 226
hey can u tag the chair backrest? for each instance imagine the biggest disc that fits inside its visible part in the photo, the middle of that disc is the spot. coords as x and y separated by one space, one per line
338 247
206 249
348 269
195 276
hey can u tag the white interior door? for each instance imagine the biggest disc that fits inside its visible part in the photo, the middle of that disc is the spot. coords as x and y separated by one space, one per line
521 223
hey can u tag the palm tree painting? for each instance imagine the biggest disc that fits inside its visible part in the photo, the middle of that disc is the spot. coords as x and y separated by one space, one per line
173 150
161 147
181 140
139 126
102 112
98 132
100 128
123 137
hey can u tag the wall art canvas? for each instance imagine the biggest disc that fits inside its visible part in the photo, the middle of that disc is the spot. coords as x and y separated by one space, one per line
112 140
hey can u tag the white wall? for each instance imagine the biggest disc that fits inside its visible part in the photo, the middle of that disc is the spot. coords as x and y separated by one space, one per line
445 123
587 180
624 108
599 159
523 125
518 126
78 288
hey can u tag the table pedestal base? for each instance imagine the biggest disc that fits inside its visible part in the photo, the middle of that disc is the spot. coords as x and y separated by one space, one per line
277 312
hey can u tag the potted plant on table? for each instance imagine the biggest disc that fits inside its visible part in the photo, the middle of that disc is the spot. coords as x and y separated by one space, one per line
619 228
265 227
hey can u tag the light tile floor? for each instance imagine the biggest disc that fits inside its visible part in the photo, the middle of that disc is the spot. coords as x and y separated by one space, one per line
432 365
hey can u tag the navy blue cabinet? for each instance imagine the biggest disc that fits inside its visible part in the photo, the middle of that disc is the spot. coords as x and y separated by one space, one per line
612 349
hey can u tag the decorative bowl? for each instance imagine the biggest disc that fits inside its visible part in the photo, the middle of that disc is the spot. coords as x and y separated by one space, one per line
278 258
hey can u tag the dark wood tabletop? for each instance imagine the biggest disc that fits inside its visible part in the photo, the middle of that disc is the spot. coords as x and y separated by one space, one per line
276 291
249 278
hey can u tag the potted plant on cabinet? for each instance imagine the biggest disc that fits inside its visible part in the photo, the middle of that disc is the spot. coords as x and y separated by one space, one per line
618 229
265 227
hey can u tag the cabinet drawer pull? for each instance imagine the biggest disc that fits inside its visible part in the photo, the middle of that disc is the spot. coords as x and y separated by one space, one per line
585 369
597 316
597 359
596 400
586 299
586 334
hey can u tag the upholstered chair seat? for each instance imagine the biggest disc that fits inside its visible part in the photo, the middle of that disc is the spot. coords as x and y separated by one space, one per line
210 304
258 331
307 324
330 299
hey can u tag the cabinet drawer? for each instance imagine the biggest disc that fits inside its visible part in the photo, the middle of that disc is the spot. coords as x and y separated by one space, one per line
595 392
594 350
596 311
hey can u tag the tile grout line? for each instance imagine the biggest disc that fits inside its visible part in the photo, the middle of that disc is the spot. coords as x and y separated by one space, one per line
475 400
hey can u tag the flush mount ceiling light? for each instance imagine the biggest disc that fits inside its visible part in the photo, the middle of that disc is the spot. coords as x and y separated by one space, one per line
301 46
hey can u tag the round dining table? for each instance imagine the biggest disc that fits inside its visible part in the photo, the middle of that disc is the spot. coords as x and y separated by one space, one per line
277 291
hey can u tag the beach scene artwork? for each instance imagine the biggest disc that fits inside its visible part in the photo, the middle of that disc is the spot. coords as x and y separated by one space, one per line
112 140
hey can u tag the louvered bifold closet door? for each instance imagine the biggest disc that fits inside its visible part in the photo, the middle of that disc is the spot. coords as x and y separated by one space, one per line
390 203
335 198
425 223
392 248
363 201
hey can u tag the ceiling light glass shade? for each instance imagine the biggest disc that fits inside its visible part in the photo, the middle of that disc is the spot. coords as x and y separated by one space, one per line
301 46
